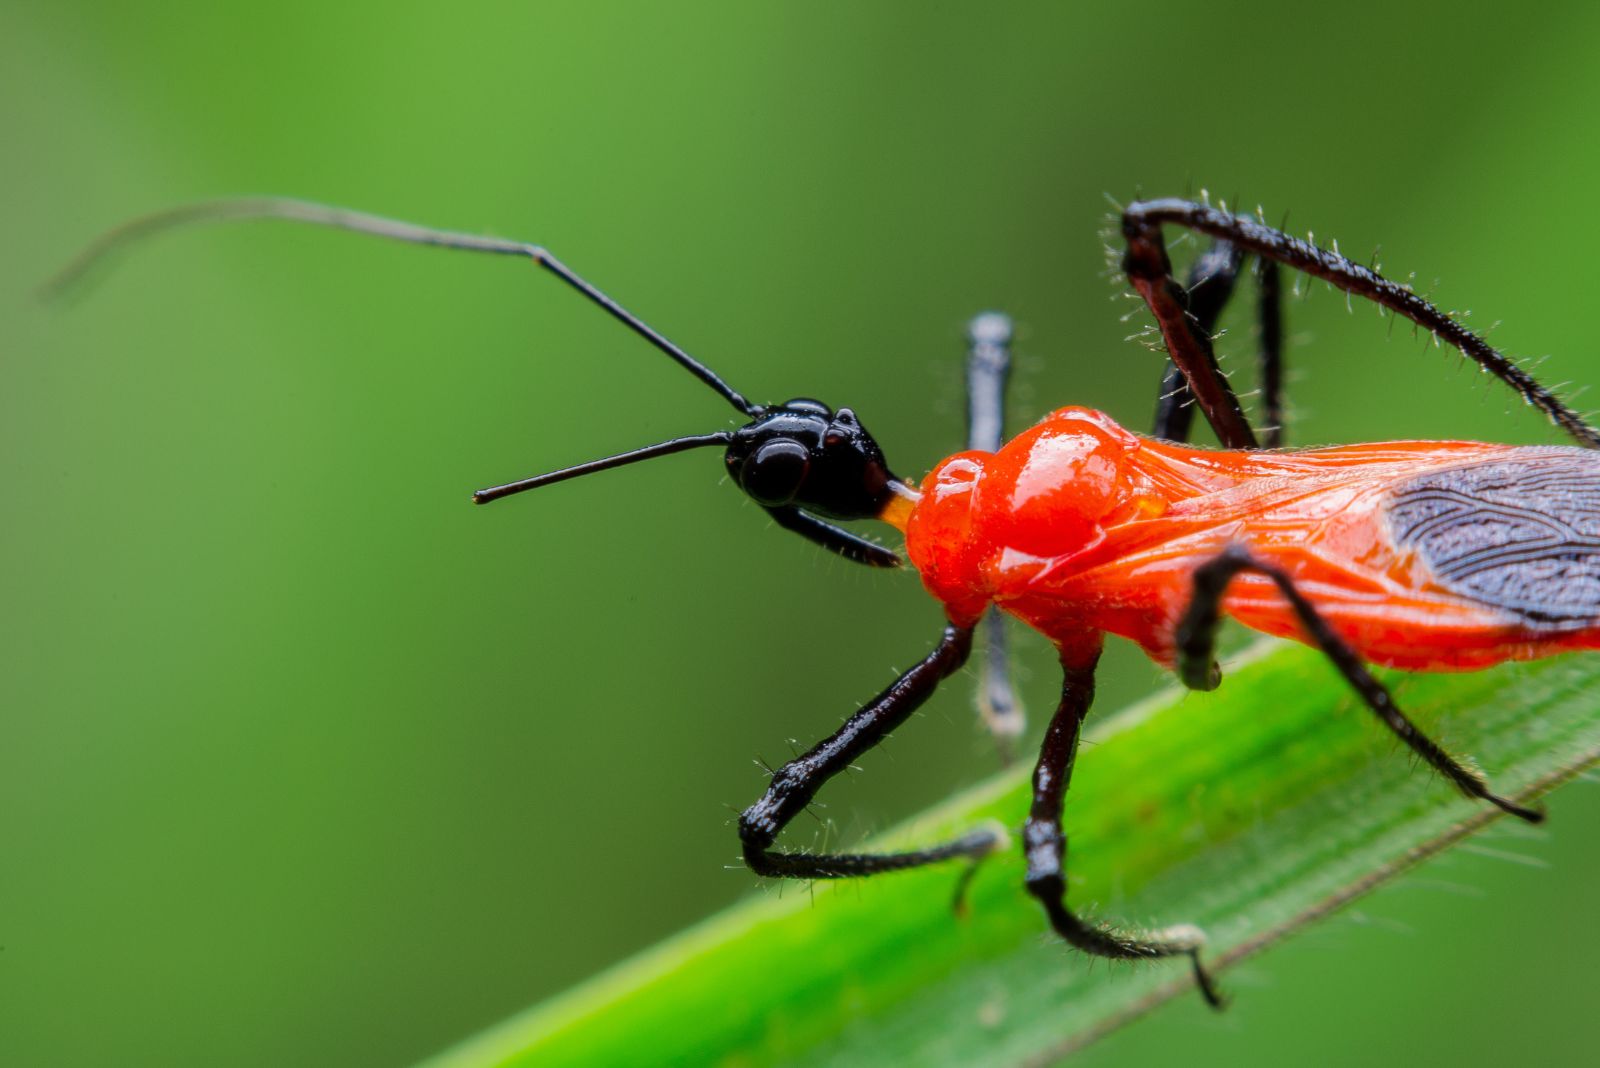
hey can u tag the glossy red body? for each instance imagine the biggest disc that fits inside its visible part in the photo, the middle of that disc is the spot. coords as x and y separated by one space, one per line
1081 528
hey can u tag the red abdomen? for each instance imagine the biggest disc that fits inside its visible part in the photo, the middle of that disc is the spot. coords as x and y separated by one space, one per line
1425 555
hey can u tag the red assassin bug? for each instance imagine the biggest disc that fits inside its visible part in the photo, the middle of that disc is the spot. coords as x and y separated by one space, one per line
1425 555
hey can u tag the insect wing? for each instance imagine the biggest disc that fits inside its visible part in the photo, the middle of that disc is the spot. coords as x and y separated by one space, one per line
1520 534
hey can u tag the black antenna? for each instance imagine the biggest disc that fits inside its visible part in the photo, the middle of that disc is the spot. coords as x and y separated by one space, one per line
695 441
303 211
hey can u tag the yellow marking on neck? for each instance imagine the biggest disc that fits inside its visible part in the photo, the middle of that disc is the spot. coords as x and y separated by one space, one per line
897 512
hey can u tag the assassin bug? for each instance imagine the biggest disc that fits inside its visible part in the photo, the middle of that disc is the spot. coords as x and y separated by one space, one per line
1433 555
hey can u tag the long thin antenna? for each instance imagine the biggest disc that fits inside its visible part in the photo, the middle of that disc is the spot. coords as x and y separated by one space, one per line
77 272
696 441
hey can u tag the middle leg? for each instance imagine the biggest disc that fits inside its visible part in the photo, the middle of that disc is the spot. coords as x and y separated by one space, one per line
1045 846
988 369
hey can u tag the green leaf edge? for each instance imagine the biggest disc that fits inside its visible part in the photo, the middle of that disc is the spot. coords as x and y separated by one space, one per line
852 974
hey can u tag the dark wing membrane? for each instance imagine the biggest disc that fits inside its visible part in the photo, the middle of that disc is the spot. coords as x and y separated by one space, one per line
1520 534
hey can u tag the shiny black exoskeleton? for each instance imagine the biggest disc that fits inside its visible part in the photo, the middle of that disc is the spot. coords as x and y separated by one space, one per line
804 453
802 457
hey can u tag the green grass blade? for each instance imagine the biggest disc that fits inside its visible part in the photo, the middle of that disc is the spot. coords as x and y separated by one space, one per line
1251 811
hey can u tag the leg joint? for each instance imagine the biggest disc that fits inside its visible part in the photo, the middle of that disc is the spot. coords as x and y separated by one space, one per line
759 826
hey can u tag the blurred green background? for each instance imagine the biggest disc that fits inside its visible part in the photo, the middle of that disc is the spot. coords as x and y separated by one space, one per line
306 761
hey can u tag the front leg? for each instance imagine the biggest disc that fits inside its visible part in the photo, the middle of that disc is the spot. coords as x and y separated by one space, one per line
798 781
852 547
1045 846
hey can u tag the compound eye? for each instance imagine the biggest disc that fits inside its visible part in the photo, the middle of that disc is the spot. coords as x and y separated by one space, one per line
773 474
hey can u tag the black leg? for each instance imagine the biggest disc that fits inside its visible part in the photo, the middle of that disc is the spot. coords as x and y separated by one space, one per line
1196 640
1188 343
834 539
988 371
1210 285
1045 846
988 368
798 781
1150 271
998 705
1211 282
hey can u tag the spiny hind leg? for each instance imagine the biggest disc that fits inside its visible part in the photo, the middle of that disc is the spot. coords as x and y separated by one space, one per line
1150 271
1211 283
1197 668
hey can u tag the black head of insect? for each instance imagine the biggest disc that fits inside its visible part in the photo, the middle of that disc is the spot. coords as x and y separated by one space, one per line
804 454
799 460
